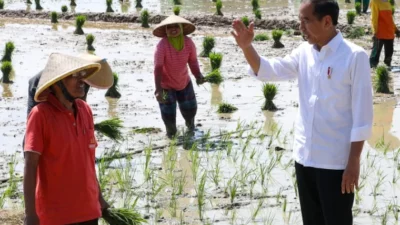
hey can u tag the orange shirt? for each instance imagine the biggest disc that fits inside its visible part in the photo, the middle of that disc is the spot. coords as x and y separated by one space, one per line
383 25
67 190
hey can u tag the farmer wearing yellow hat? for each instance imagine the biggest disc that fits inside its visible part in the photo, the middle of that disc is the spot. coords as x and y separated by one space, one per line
173 54
60 185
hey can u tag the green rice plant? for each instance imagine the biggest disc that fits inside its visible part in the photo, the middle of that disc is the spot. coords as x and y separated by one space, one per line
64 8
139 4
261 37
257 209
284 206
351 15
9 49
381 80
6 68
38 6
255 4
173 205
109 6
110 128
89 41
378 184
215 60
201 194
226 108
113 92
218 5
269 92
208 45
72 3
214 77
385 217
355 33
122 216
79 22
177 2
216 170
1 4
29 2
257 14
181 183
246 21
276 36
195 158
358 8
144 17
391 2
233 188
177 10
54 16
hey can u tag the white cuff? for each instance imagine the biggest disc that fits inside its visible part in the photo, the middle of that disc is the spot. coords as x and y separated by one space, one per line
361 133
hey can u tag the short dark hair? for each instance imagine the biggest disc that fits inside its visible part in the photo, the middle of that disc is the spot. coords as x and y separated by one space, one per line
324 8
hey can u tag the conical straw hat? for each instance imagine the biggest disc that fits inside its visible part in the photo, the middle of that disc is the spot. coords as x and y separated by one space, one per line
188 27
103 79
60 66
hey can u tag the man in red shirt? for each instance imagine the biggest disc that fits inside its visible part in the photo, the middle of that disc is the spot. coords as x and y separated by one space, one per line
60 185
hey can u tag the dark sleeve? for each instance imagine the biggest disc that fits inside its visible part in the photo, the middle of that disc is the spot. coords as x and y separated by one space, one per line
33 83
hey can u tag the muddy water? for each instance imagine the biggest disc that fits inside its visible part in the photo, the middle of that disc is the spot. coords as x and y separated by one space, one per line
129 49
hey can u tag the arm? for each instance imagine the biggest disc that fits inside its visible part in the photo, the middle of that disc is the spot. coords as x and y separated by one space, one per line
158 71
193 62
29 185
374 16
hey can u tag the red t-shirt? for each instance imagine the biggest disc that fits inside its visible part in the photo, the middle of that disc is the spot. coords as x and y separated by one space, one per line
172 64
67 190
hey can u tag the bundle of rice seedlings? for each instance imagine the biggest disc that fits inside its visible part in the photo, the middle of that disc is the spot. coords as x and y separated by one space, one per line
6 68
64 9
214 77
381 80
255 4
8 52
29 2
54 17
356 32
277 35
1 4
215 60
351 15
79 22
208 45
110 128
257 14
391 2
113 92
246 21
73 3
38 6
138 4
177 10
261 37
122 217
358 8
269 92
89 40
226 108
177 2
109 6
144 17
218 5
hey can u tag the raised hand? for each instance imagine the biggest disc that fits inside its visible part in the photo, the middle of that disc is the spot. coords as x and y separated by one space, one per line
243 35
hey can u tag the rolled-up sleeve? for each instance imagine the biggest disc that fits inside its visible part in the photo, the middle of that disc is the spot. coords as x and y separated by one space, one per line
361 95
278 69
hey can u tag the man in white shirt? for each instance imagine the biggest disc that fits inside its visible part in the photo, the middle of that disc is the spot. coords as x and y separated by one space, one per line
335 109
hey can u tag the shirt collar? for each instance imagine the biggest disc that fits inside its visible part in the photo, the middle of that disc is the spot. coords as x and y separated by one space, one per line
52 99
334 43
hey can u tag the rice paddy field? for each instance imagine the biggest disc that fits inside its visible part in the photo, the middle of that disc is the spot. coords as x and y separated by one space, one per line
239 168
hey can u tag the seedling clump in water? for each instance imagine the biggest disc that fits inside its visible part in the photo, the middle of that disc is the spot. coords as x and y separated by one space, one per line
109 6
216 60
218 4
54 17
10 47
208 45
144 17
277 35
113 92
177 10
214 77
89 40
269 92
6 68
226 108
64 9
79 22
381 80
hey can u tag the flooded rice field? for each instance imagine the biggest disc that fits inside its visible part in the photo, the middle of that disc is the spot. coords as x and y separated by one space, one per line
240 169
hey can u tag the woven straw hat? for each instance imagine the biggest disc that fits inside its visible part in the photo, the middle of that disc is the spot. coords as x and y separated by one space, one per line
60 66
188 27
104 78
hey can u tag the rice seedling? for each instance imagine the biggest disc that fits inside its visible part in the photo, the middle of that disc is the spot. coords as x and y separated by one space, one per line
284 206
351 15
269 92
226 108
79 22
355 33
374 209
257 209
233 188
391 2
253 153
208 45
276 36
261 37
89 41
6 68
144 18
195 158
54 16
214 77
246 21
181 183
146 171
110 128
64 9
113 92
381 80
215 60
1 4
109 6
139 4
255 4
9 49
358 8
216 170
122 216
378 183
385 217
201 194
218 5
38 6
72 3
173 205
257 14
177 2
177 10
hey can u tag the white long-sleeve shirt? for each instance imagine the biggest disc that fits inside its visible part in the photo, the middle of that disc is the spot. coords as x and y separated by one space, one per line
335 102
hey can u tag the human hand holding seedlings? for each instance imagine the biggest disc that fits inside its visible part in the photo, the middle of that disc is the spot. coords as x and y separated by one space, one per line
200 79
161 95
397 32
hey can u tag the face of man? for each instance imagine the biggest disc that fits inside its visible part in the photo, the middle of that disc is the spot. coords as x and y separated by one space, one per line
75 84
313 29
173 30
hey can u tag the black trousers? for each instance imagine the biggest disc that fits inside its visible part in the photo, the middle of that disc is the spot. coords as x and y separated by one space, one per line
377 49
321 198
90 222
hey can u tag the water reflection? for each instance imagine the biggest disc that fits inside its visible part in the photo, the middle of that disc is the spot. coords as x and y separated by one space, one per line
216 95
7 93
112 107
28 7
270 125
54 26
73 9
125 5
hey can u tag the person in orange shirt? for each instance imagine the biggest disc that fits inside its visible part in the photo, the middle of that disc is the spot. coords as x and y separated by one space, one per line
384 30
60 185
